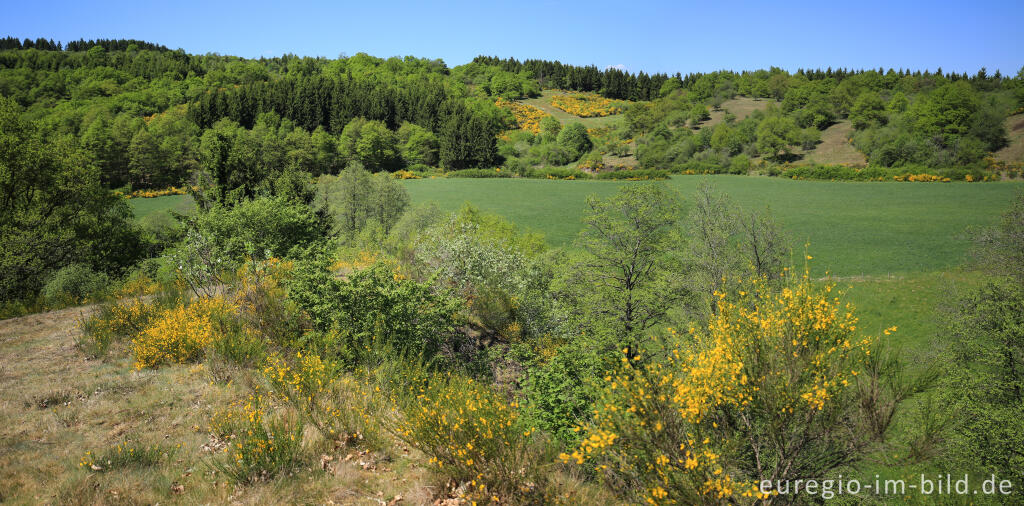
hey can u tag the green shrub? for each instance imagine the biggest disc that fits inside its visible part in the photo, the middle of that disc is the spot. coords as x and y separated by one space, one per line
269 226
635 174
74 284
376 305
557 173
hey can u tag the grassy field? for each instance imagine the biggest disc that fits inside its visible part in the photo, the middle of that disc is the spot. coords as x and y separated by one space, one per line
146 207
854 229
895 248
741 107
835 147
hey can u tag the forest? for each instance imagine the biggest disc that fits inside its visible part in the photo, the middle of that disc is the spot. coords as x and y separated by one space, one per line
292 322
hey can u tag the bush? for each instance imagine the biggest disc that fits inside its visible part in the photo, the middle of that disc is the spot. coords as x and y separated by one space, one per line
635 174
264 227
374 306
778 386
126 455
575 140
473 436
479 173
260 447
122 318
337 405
74 284
557 173
180 334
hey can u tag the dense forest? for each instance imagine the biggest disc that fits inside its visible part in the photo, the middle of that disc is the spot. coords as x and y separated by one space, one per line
149 117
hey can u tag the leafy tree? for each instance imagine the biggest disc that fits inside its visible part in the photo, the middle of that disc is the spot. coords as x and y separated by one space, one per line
699 113
628 278
868 110
54 210
575 140
377 147
987 382
710 227
946 111
550 128
260 228
144 159
775 135
418 145
898 103
355 198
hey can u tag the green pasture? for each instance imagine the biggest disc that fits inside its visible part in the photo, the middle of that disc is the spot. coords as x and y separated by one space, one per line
854 229
145 207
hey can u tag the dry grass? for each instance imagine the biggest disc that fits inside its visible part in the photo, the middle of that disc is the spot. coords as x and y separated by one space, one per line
57 405
741 107
1014 152
835 147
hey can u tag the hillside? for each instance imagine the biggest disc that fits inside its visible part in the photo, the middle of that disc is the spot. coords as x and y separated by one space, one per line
1014 151
60 408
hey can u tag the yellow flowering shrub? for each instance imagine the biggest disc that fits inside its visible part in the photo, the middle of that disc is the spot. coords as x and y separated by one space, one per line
527 117
180 334
259 445
766 389
586 105
473 436
148 194
335 403
124 317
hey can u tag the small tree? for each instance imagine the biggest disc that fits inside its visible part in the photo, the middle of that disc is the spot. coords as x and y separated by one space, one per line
775 135
355 197
711 227
699 113
549 128
628 280
575 139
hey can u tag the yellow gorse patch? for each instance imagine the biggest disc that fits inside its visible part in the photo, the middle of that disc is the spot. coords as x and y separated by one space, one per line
586 105
527 117
179 334
792 351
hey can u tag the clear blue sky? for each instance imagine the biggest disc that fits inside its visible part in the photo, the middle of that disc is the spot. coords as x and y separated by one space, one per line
654 36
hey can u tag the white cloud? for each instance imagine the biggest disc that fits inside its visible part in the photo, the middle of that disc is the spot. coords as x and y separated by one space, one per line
619 66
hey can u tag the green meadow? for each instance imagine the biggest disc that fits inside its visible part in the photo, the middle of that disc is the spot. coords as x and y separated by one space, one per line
854 229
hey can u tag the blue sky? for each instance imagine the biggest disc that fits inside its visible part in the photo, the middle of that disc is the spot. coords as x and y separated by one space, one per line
654 36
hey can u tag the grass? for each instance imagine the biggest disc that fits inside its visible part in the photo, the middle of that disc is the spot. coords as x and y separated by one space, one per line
145 207
835 147
741 107
57 406
1014 151
854 229
893 248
